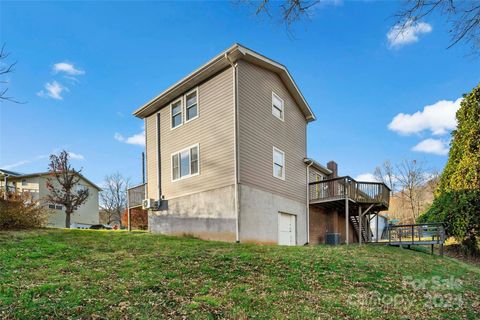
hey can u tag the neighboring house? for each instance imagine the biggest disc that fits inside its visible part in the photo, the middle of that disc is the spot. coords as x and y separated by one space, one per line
226 159
381 222
36 185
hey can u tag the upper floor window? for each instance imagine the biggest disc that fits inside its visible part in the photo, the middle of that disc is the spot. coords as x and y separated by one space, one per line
176 110
185 163
191 105
278 163
80 187
24 182
184 108
277 106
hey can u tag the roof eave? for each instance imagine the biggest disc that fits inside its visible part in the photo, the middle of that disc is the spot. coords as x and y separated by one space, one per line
216 64
318 166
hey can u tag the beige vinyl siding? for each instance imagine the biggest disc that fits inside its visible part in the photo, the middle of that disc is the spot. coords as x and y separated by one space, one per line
260 131
86 213
213 130
151 152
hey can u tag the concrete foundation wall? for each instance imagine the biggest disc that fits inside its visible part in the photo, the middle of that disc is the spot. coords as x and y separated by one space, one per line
259 216
207 215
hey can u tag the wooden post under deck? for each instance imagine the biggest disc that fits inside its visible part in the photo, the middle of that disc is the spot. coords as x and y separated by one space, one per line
376 227
347 218
360 225
369 238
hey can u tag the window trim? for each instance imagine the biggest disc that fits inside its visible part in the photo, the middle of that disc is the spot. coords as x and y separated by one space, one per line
198 104
283 164
197 145
181 112
283 106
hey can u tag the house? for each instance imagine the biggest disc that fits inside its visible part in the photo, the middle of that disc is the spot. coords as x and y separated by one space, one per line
226 159
36 185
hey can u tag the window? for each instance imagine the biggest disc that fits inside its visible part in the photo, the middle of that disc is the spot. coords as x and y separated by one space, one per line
176 112
51 206
190 102
55 206
278 163
58 207
191 105
277 106
24 182
185 163
80 187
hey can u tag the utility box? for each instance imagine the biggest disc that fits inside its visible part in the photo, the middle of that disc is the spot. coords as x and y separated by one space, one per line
333 238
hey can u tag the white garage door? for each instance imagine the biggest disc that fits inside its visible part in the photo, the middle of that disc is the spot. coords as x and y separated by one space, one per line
286 229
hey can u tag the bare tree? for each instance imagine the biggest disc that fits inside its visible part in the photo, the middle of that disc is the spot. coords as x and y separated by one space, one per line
5 69
63 185
462 16
386 174
113 198
290 10
412 179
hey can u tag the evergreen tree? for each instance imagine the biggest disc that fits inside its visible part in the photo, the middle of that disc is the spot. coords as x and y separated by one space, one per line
457 199
462 171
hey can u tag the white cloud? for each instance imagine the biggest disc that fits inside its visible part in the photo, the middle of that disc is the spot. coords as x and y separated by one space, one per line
433 146
14 165
367 177
439 118
136 139
398 36
67 68
76 156
53 90
22 162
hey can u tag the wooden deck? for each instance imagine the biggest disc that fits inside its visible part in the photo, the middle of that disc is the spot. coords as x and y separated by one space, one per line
333 192
135 195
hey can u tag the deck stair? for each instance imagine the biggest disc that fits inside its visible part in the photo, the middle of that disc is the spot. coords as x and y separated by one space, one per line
355 223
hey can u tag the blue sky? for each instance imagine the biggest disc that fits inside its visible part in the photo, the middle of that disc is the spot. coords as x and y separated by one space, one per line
84 67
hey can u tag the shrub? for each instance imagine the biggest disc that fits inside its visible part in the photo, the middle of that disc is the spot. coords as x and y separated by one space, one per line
460 213
20 211
139 218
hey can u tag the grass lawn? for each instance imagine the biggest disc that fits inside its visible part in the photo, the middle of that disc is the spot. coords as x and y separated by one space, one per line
113 274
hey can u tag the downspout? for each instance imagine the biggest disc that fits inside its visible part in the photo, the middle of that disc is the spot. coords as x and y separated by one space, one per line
159 162
308 201
235 147
146 158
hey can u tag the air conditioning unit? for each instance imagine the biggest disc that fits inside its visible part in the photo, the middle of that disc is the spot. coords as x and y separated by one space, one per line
148 204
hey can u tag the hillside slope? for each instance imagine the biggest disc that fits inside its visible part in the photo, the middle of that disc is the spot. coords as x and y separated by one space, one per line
105 274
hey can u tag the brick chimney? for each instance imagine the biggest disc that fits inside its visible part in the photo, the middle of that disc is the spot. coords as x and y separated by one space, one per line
332 165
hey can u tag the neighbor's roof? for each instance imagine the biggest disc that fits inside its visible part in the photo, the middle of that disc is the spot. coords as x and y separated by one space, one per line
220 62
4 172
41 174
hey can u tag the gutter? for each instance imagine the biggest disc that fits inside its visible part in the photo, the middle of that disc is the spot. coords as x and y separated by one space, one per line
235 146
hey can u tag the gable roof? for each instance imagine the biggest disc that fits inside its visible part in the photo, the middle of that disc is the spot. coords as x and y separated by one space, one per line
42 174
218 63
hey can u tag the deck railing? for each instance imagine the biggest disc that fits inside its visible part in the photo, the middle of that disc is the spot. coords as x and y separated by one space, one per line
412 234
341 187
136 194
